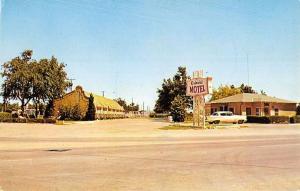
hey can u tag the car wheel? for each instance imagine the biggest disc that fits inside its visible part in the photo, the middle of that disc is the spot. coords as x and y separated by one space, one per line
217 122
240 121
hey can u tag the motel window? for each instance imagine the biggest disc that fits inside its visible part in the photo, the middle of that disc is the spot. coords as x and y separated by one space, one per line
266 111
276 111
212 110
225 108
257 113
248 111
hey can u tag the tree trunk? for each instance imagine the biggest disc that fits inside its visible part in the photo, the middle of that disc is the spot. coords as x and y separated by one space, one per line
22 107
36 110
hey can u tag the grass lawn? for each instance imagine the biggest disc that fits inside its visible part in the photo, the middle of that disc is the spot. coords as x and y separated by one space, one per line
207 126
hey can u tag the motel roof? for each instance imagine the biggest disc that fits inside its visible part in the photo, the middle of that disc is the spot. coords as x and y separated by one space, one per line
104 102
248 97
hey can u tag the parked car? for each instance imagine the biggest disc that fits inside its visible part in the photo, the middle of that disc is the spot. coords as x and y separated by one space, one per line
225 117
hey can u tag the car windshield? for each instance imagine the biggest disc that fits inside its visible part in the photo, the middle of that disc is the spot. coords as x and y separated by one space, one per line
215 114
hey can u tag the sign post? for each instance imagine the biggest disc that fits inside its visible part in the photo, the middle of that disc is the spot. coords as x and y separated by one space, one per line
198 87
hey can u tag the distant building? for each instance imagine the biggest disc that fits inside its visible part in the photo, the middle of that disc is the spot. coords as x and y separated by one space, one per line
253 104
105 108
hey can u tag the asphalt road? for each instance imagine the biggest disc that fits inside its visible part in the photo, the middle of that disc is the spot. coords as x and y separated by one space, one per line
243 160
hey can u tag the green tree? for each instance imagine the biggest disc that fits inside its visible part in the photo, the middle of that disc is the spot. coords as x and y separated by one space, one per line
224 91
91 111
172 88
122 103
262 92
18 79
30 80
127 108
247 89
49 109
178 106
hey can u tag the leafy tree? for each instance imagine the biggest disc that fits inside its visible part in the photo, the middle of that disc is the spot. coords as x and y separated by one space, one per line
49 109
30 80
165 97
121 102
262 92
91 111
224 91
18 79
247 89
172 88
178 106
127 108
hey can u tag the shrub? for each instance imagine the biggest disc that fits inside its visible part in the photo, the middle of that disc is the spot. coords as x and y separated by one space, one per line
91 111
268 119
178 106
24 120
279 119
49 109
258 119
293 119
298 109
297 119
188 117
4 115
73 113
159 115
14 115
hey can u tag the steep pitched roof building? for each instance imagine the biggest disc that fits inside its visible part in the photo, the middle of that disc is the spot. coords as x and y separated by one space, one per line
253 104
105 107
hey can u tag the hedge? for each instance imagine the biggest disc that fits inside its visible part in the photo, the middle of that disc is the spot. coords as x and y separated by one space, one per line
159 115
4 115
268 119
25 120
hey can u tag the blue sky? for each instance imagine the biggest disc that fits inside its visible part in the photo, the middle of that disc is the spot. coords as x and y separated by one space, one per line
126 48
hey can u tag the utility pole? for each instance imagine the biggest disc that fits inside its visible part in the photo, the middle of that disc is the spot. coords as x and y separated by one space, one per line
248 70
143 109
102 93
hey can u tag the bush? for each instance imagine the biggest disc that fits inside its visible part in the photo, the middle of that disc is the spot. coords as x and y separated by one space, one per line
297 119
298 109
70 113
49 109
4 115
15 115
258 119
159 115
268 119
188 117
24 120
178 106
91 111
279 119
293 119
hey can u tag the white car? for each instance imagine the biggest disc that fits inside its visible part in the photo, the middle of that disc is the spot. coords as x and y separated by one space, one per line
226 117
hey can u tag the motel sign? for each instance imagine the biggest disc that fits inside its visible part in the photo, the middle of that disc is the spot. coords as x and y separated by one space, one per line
198 86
